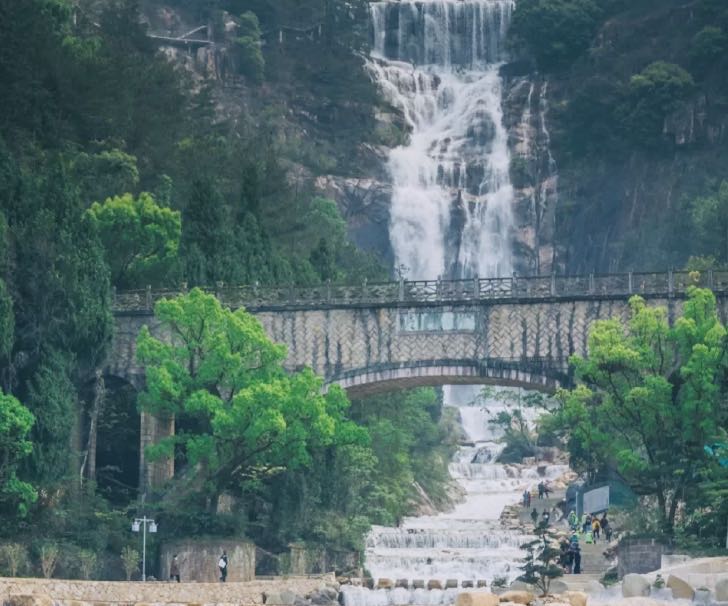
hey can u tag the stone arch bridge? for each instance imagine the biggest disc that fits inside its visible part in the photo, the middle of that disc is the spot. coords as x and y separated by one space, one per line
516 331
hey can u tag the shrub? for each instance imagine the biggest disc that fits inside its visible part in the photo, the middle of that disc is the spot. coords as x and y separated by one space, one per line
86 563
130 561
556 31
49 557
15 557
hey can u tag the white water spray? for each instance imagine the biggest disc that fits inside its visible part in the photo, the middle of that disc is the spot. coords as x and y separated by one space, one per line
438 62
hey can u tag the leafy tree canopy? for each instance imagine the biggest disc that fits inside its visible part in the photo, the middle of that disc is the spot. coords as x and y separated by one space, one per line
556 31
650 397
248 418
15 424
140 237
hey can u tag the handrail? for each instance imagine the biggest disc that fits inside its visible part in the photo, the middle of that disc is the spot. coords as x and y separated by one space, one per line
418 292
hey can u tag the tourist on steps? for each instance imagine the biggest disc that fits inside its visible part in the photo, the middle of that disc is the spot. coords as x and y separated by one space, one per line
575 551
222 564
572 520
534 515
174 569
596 528
606 528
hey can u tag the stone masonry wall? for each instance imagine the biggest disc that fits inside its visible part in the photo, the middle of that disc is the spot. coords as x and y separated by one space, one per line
639 556
54 592
198 560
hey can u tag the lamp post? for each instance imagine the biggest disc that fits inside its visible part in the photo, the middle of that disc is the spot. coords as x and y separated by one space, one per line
135 525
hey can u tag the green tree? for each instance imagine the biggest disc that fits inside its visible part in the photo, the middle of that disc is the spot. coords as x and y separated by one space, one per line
251 419
540 564
15 424
709 216
649 398
250 54
653 94
140 237
556 31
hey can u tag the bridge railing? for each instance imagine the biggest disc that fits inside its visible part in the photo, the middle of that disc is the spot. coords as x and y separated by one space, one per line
439 291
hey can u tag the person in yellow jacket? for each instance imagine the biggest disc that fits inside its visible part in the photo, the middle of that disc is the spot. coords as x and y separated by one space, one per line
596 528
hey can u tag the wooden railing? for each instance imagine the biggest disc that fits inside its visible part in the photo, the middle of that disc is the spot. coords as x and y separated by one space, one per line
416 292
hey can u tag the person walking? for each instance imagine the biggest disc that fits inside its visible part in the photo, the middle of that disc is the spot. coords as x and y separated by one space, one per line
596 528
576 556
540 490
222 564
572 520
606 528
174 569
534 515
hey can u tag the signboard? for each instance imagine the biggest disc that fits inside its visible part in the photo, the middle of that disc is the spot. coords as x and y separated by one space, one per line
596 500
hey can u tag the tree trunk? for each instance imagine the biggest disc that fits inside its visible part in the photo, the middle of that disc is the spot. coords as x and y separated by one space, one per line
88 468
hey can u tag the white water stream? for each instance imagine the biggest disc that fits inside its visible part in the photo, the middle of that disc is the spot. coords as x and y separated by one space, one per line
438 62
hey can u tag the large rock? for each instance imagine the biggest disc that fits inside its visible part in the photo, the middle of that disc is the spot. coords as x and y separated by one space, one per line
681 589
634 586
434 584
576 598
721 590
385 584
594 587
476 598
558 586
519 597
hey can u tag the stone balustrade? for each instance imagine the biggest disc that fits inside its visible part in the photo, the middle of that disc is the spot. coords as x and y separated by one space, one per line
423 292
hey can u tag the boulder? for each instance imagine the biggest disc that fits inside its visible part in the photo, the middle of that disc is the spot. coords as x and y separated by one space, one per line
404 583
466 584
368 582
594 587
517 596
476 598
384 583
721 590
576 598
418 584
330 592
558 586
451 583
482 583
681 589
434 584
635 586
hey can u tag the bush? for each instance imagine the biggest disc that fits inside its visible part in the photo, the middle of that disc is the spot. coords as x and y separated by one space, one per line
556 31
49 557
248 43
86 563
130 561
653 94
15 557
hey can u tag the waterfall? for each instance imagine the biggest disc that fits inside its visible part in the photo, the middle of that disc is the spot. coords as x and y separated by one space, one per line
438 62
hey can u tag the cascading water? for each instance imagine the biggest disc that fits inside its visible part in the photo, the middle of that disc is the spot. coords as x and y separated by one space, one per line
451 216
438 62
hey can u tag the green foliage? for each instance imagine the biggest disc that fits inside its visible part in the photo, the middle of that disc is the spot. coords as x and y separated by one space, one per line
556 31
130 561
15 424
141 239
650 397
49 556
248 418
653 94
87 562
709 216
708 46
105 174
15 557
250 55
540 564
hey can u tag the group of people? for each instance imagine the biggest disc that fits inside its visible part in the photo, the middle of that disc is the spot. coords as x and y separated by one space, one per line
570 555
543 493
222 566
591 526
